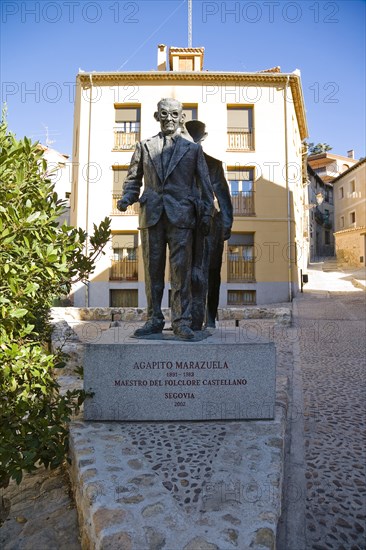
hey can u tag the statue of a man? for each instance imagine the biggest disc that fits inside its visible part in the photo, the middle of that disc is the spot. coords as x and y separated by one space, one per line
177 198
207 279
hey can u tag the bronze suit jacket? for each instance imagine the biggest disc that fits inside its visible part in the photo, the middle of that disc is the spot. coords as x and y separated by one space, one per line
222 192
185 193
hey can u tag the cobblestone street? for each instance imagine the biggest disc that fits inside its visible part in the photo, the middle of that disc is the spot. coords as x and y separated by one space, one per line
331 349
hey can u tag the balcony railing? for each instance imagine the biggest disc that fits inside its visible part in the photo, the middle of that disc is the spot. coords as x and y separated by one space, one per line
132 210
124 270
322 219
240 270
125 140
243 203
239 140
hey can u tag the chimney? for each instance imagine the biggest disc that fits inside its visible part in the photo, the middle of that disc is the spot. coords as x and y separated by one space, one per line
161 57
351 154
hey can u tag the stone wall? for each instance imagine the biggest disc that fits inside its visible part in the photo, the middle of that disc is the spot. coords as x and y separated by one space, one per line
350 248
279 314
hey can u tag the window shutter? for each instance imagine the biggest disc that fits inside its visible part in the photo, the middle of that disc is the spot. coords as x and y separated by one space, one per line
121 241
127 114
239 118
240 239
119 177
240 174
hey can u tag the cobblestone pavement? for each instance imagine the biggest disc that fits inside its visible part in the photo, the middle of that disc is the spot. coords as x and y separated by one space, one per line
332 335
39 513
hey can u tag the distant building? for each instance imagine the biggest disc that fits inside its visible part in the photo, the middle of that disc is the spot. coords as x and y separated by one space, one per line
329 166
255 122
60 173
321 216
350 215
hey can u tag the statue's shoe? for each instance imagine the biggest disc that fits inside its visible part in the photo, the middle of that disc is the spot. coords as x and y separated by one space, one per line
150 327
184 332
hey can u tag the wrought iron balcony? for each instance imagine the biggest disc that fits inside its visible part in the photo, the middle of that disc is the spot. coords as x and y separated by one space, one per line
132 210
319 216
243 203
240 140
322 219
125 141
240 269
124 270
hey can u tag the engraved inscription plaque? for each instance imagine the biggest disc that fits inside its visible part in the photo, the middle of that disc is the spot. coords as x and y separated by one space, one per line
129 382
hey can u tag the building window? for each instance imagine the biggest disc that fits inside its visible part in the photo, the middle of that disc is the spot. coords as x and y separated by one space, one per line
240 129
342 222
327 237
186 63
241 258
127 127
124 263
123 297
352 217
352 186
241 297
341 193
119 175
191 111
329 195
241 182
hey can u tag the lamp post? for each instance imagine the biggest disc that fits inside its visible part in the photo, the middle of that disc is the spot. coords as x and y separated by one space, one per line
319 197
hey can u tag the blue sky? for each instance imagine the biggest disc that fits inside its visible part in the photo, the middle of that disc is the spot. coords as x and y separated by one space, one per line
44 43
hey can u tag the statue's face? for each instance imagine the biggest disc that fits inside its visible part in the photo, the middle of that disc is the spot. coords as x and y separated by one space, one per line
170 116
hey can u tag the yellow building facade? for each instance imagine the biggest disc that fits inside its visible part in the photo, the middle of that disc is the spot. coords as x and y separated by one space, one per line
349 191
255 122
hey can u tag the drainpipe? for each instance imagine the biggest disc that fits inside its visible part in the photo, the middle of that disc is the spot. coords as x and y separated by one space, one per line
87 189
288 195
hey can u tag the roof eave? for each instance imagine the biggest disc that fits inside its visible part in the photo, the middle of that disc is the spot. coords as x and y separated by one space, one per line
210 76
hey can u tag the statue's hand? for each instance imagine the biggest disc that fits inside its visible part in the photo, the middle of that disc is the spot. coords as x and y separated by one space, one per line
227 233
205 225
122 205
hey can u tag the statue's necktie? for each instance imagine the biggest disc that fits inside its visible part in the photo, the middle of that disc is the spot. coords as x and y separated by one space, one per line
167 152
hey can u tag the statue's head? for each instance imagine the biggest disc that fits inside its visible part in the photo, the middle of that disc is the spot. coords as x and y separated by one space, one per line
196 130
170 115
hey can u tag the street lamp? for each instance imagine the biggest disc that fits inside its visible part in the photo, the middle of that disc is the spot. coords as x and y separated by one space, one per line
319 199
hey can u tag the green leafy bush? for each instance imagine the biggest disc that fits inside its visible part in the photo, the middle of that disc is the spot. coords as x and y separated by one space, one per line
39 260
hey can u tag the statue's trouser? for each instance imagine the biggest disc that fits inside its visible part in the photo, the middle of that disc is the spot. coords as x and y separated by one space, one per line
179 240
214 271
206 274
200 265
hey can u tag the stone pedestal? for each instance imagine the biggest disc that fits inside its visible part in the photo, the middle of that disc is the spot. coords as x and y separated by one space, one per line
155 380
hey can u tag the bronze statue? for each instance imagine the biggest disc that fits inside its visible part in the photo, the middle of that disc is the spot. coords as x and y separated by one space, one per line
207 255
177 199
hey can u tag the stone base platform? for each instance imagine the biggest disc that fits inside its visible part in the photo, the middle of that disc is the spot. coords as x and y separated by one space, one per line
213 485
191 486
